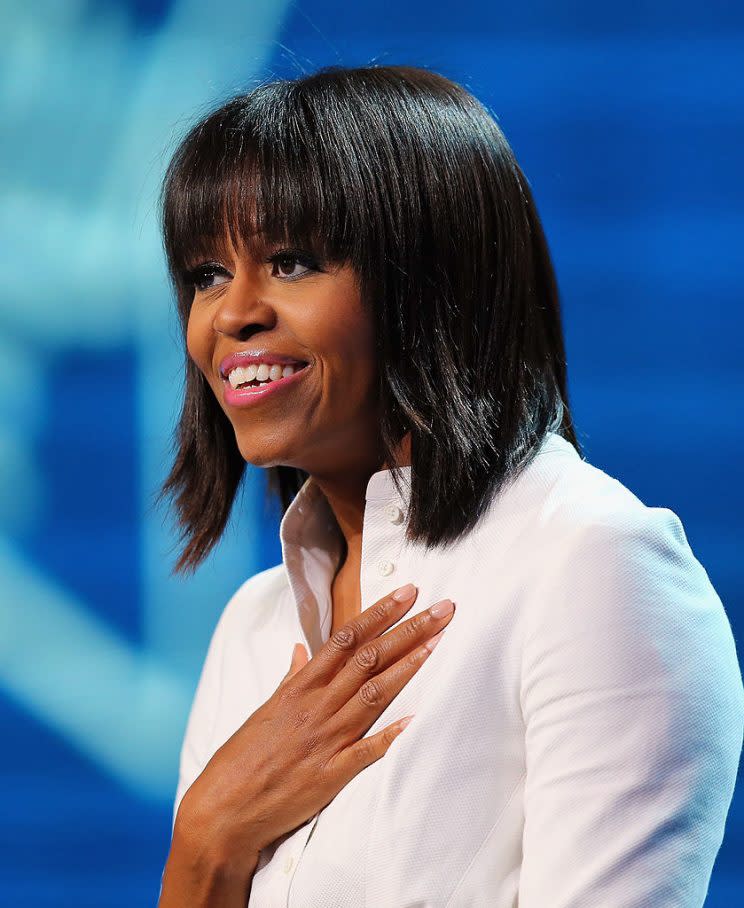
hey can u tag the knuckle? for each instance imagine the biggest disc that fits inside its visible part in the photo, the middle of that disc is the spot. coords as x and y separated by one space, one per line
419 623
288 693
370 693
417 656
345 638
301 718
380 610
310 744
367 658
365 749
327 769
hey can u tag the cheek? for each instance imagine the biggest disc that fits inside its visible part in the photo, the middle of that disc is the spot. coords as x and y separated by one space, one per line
350 356
195 341
344 330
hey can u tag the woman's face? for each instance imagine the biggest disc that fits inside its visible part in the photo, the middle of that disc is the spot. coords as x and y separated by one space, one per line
325 420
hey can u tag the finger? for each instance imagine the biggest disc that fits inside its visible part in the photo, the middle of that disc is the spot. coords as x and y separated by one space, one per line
375 656
352 760
341 645
375 694
299 660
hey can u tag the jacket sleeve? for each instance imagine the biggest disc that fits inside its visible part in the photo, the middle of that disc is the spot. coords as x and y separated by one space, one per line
634 712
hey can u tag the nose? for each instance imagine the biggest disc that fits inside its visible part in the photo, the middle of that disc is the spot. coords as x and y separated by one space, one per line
240 311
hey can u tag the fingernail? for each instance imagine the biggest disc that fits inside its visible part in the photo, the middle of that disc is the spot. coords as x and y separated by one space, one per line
433 641
442 608
405 721
405 592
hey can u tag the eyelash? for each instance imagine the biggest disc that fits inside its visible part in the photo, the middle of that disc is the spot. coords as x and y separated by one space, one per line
194 276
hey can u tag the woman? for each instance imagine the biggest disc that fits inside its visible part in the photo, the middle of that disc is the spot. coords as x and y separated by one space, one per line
370 312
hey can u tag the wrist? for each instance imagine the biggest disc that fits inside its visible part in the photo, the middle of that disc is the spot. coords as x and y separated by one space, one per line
200 878
210 848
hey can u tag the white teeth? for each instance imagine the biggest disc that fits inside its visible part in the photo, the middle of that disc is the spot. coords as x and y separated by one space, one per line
236 377
263 373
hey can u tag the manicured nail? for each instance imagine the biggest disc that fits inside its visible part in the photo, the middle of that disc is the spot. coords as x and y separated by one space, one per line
404 722
433 641
405 592
442 608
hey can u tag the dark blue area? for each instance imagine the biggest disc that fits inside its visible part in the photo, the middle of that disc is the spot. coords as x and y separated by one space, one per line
87 454
71 837
419 20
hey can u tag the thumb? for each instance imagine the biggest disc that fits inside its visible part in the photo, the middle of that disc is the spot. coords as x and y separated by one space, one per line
299 658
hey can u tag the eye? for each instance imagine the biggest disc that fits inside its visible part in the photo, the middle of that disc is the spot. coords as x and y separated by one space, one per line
200 276
286 261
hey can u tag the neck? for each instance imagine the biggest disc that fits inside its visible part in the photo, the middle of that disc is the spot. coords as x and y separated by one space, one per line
346 495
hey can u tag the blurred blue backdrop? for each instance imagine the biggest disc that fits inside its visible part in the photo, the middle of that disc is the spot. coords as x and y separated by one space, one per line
629 123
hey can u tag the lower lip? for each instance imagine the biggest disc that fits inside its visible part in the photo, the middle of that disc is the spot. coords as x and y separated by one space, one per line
247 397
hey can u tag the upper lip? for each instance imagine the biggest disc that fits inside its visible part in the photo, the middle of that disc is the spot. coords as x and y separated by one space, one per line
246 357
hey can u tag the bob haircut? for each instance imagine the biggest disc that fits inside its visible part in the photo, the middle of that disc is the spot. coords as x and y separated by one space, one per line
405 175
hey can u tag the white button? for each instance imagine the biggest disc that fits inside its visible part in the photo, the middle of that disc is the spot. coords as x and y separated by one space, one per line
393 513
288 863
385 567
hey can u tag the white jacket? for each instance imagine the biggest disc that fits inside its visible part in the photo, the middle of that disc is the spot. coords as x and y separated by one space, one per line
577 731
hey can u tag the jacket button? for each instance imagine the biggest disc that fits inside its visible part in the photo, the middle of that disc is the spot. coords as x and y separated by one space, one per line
385 567
393 513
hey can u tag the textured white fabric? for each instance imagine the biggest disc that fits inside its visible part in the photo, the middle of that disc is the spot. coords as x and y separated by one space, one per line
577 731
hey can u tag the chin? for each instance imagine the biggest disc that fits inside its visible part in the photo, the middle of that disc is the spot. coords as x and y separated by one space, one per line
261 456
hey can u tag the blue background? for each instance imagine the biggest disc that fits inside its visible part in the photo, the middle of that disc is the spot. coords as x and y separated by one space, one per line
629 123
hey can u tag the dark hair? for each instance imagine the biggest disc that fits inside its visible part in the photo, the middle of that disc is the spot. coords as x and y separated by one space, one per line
406 176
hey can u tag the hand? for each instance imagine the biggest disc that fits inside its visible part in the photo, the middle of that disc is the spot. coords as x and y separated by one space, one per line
294 754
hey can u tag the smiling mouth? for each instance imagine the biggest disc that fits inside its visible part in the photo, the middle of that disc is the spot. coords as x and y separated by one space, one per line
239 379
247 392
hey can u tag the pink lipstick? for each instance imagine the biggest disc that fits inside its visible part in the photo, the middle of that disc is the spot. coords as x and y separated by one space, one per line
247 396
